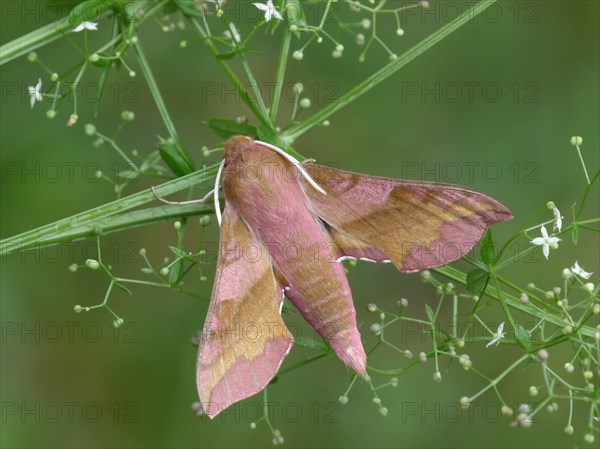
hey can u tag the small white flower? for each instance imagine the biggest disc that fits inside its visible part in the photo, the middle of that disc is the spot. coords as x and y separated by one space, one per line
92 26
546 242
233 34
557 219
36 93
576 269
269 9
499 335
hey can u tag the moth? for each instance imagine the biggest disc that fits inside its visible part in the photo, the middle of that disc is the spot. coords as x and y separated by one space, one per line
285 229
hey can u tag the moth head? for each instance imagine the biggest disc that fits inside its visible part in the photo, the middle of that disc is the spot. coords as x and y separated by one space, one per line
235 144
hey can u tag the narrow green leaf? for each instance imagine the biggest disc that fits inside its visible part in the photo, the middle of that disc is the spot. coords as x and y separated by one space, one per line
122 287
227 55
266 134
523 338
89 10
173 156
150 161
226 128
487 248
177 269
575 234
310 343
177 251
295 14
475 280
102 61
128 174
429 312
187 9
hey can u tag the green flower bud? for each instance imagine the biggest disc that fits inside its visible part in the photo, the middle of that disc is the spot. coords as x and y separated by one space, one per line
375 328
533 391
89 129
305 103
127 116
92 264
576 140
118 322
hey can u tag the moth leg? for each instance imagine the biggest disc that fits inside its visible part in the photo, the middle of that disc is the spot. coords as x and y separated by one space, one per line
182 203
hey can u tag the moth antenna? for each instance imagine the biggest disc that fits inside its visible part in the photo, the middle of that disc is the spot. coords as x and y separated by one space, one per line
296 163
181 203
216 192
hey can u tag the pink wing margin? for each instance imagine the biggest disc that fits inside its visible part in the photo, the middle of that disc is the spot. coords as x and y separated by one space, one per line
244 340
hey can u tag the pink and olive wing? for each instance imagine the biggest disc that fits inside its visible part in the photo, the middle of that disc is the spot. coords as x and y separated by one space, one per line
415 225
244 340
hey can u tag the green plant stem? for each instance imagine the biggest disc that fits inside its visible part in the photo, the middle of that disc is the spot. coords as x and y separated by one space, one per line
459 277
256 89
128 220
588 188
91 217
280 75
502 375
160 104
384 73
503 303
237 84
88 10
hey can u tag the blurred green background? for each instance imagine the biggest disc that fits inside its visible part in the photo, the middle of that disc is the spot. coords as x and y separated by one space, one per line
69 380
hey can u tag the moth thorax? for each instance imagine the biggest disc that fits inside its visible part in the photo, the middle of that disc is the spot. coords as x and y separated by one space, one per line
235 144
